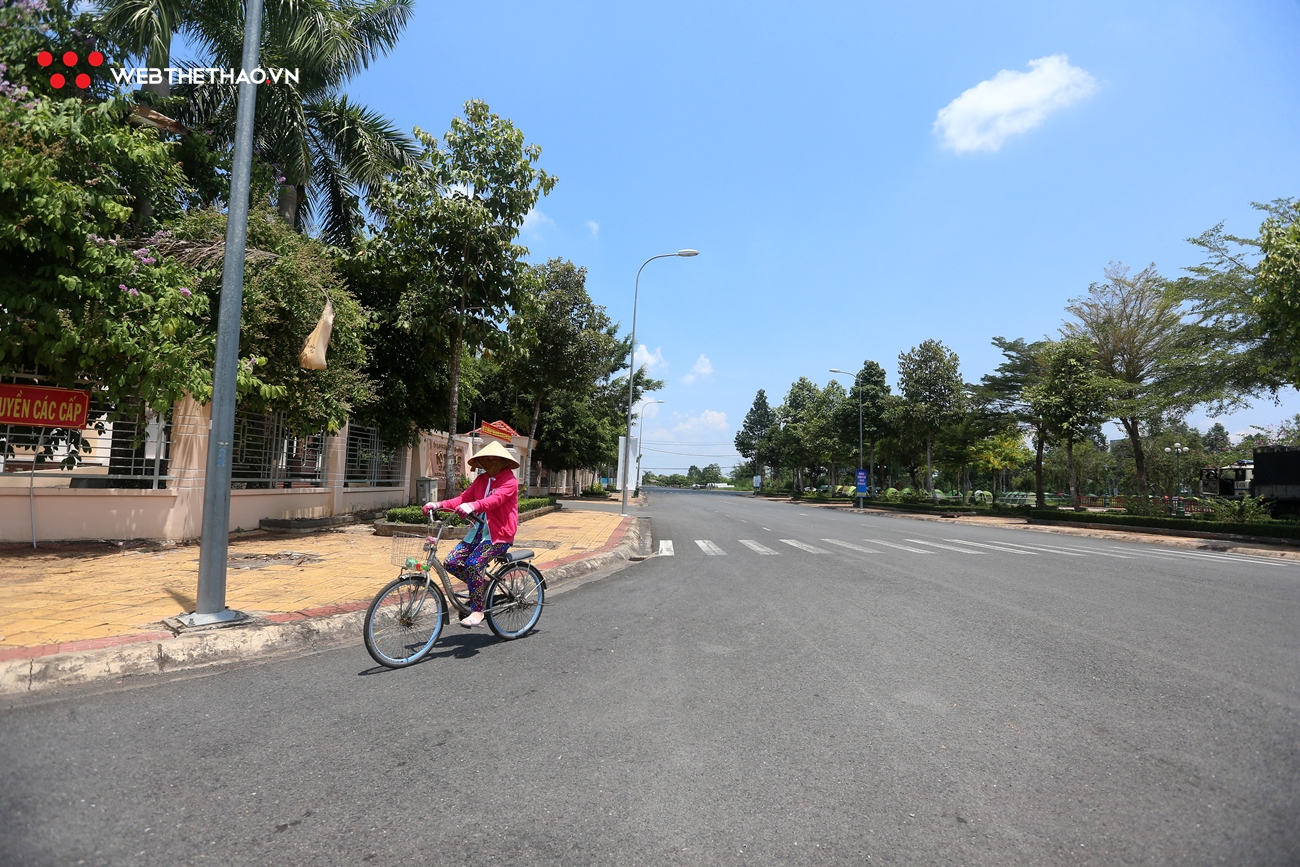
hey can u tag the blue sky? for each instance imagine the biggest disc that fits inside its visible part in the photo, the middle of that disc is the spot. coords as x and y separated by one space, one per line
796 147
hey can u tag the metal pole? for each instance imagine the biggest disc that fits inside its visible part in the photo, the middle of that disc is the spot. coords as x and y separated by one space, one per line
631 378
860 497
31 485
214 547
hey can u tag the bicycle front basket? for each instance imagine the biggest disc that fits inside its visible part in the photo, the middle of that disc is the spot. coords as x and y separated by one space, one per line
408 550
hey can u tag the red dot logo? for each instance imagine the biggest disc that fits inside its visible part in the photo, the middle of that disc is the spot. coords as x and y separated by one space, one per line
70 59
83 81
96 59
57 80
45 58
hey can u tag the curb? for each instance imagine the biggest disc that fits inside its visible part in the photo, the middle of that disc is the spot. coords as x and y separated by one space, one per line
42 669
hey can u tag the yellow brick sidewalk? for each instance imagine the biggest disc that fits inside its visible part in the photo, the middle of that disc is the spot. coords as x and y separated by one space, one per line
62 597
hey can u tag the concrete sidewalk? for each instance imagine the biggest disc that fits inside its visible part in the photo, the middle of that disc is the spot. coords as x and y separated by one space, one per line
76 613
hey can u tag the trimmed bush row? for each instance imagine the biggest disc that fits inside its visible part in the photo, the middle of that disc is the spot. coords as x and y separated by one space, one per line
415 515
1275 529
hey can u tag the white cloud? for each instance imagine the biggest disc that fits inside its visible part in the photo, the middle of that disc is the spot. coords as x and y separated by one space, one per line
535 221
653 362
708 420
1010 103
594 228
703 367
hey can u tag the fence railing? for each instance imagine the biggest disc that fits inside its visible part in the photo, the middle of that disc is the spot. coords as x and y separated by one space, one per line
267 454
370 462
133 451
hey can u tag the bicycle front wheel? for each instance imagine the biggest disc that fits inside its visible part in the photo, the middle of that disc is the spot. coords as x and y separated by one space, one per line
404 621
514 601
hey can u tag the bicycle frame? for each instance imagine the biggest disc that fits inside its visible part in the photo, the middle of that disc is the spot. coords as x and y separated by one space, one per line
432 564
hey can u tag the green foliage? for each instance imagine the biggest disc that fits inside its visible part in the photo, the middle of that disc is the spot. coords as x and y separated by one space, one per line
415 514
78 300
1246 510
1278 301
1275 529
444 246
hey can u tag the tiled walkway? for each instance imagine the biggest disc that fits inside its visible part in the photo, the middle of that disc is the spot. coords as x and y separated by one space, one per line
60 597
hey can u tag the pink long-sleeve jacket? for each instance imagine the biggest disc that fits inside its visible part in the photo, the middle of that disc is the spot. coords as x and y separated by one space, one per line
498 496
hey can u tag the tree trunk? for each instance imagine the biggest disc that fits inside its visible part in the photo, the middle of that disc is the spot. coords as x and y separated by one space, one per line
162 60
288 204
532 436
929 471
1139 459
1039 500
452 410
1069 472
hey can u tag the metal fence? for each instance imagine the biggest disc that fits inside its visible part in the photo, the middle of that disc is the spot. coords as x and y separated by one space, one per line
267 454
131 452
371 463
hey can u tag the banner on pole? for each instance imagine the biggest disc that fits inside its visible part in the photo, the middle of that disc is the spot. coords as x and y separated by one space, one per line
37 406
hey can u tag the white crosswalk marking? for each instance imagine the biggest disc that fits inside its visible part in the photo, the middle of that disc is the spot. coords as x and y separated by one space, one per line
1102 553
852 547
899 547
945 547
1202 555
755 547
1061 551
804 546
994 547
709 548
665 547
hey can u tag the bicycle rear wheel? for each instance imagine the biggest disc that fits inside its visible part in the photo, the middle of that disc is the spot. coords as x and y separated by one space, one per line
404 621
514 601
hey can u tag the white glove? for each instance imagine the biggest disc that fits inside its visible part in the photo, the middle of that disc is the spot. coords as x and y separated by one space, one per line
429 507
465 509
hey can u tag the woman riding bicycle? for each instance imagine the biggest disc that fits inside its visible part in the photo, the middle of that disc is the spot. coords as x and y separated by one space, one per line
495 492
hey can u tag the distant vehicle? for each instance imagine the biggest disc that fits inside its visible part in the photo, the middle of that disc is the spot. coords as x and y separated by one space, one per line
1232 481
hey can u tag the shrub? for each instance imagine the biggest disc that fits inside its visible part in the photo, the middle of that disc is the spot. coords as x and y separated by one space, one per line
1247 510
415 514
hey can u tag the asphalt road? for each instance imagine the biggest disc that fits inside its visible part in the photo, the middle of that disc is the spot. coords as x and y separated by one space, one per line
789 686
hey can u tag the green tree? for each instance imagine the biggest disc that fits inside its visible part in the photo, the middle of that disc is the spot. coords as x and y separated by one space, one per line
560 339
1279 284
1073 398
929 378
1003 395
447 236
866 403
1216 439
327 148
752 440
1137 330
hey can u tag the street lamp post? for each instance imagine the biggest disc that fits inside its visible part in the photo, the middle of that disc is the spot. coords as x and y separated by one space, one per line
859 391
1179 450
631 366
640 426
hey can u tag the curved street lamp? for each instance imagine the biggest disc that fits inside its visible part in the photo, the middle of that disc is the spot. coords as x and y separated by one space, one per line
631 367
640 426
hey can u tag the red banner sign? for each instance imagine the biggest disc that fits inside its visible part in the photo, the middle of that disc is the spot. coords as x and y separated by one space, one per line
34 406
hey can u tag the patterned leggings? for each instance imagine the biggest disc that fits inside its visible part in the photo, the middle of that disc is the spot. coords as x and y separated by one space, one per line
467 563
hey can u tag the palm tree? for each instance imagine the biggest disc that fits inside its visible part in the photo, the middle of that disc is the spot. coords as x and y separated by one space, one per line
327 148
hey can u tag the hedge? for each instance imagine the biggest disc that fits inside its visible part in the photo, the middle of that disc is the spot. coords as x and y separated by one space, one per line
415 514
1276 529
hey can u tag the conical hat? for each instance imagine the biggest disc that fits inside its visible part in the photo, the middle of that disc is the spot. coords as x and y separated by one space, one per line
493 450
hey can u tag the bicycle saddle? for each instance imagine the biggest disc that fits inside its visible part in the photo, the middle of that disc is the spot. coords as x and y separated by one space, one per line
516 555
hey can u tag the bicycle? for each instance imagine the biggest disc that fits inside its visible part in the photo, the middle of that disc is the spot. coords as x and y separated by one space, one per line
407 616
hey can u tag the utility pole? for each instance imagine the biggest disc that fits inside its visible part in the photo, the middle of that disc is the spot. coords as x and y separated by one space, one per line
214 548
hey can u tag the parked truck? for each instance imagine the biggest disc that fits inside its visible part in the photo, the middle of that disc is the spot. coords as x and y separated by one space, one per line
1277 477
1232 481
